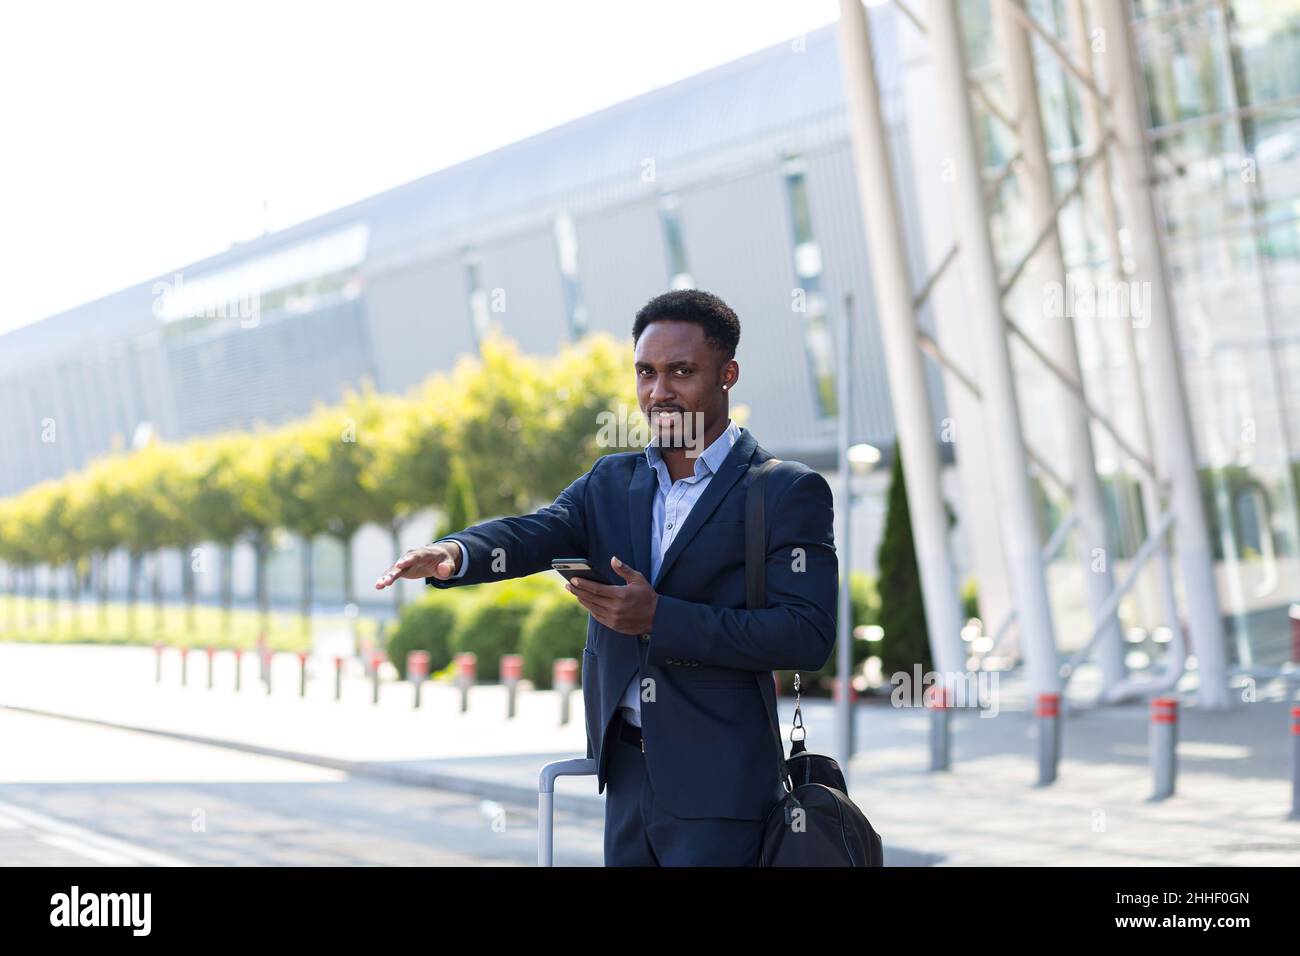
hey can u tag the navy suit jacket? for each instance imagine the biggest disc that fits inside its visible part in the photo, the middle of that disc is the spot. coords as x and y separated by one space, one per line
709 748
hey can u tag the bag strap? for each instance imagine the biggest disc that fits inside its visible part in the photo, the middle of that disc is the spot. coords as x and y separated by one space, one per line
756 592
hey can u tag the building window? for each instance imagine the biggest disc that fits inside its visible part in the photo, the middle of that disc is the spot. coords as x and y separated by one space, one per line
810 302
478 299
679 276
566 247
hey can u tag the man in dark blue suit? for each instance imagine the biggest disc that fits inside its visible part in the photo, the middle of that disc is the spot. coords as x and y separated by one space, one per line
675 717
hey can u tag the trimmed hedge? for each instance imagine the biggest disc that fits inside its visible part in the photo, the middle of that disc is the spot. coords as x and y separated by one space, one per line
491 622
425 625
556 628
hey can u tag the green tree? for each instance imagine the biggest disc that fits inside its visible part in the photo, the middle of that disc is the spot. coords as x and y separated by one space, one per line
94 516
500 434
906 640
410 461
296 457
142 515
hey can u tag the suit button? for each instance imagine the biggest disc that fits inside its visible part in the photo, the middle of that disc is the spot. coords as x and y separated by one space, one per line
645 637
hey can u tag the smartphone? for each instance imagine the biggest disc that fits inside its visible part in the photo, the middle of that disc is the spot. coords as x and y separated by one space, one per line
572 568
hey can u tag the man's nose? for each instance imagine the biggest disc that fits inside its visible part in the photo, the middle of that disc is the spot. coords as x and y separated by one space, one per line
661 393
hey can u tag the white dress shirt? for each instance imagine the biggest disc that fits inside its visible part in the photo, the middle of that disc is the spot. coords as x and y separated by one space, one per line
672 504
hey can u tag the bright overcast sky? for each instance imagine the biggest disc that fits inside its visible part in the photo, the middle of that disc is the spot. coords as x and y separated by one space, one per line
139 137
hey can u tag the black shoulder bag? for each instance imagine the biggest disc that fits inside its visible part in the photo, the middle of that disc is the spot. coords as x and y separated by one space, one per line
814 823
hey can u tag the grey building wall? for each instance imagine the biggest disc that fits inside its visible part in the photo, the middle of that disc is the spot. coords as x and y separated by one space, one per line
623 263
419 321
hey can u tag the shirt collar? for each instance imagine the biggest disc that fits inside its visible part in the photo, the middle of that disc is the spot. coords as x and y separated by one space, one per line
712 457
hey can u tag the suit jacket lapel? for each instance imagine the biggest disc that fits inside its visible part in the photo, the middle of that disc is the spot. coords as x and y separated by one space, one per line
640 506
733 466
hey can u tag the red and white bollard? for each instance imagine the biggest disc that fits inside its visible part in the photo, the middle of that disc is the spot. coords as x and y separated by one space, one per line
939 700
512 671
302 673
1048 714
338 678
211 652
417 669
266 657
466 675
1295 763
157 662
185 654
239 668
1164 745
565 679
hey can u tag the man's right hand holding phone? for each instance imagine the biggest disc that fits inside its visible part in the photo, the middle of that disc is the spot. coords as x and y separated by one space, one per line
441 560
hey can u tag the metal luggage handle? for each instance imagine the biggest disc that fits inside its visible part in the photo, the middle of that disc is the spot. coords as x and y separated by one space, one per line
577 767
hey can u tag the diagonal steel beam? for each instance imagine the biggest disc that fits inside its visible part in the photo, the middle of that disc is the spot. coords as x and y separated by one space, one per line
931 348
1060 52
1047 228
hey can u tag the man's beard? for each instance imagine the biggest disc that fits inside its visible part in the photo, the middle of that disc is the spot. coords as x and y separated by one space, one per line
683 430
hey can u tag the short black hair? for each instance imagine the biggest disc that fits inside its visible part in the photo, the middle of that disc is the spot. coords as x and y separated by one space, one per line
721 326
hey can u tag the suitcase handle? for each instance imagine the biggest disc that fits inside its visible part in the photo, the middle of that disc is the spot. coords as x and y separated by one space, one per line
578 767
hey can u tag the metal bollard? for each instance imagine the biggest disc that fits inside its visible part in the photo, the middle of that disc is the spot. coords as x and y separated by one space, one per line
338 678
266 669
940 732
565 680
512 669
185 655
1295 764
157 662
302 673
376 658
211 652
239 669
1164 744
417 668
1048 713
466 674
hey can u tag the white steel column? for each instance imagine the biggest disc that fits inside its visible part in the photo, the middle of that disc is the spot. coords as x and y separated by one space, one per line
915 423
1168 396
1095 131
844 539
1035 180
979 272
978 524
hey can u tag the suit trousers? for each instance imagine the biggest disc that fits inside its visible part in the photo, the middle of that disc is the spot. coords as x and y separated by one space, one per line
639 832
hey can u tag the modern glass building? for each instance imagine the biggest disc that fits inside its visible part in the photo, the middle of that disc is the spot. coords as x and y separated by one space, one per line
1221 81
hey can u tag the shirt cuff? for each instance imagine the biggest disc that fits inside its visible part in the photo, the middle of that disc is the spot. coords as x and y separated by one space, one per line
464 562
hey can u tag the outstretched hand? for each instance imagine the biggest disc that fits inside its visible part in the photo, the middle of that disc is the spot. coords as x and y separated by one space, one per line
439 560
627 608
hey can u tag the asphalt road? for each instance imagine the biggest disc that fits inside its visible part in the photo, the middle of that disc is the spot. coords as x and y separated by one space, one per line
78 795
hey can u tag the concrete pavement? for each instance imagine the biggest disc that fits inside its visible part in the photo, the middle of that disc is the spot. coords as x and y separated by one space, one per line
1229 809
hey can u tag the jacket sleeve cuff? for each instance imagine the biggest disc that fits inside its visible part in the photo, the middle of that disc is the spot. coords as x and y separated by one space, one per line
671 622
